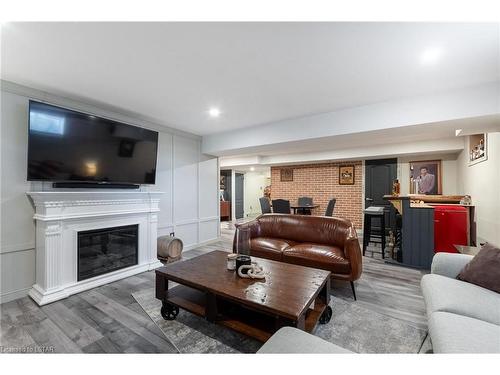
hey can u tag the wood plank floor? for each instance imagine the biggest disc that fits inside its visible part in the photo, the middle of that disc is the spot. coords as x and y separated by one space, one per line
107 319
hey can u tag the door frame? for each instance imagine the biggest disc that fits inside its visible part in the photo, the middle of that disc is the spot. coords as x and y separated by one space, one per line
391 213
233 194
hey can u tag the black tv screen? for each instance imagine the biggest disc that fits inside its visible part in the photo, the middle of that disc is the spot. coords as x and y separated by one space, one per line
66 145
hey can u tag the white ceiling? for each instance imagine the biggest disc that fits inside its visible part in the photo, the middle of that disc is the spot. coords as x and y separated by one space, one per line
255 73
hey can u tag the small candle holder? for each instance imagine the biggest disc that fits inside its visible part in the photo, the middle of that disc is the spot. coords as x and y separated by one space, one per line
231 261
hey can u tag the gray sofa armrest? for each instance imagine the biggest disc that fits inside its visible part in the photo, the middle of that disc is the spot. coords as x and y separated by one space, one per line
449 265
288 340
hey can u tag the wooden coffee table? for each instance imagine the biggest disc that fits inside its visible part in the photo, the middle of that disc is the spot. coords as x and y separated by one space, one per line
290 295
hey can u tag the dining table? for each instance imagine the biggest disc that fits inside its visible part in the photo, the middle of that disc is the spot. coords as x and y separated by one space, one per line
302 207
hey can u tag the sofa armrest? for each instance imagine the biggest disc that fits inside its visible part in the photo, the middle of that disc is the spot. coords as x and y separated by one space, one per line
352 251
288 340
448 264
254 230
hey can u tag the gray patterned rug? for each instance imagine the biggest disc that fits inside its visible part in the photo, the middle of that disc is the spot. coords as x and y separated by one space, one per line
352 327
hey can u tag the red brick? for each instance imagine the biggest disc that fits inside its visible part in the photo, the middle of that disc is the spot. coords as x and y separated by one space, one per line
321 182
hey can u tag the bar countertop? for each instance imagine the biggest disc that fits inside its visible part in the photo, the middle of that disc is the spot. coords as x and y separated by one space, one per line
450 199
428 201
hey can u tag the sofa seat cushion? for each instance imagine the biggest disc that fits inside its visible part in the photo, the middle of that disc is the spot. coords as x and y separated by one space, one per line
293 340
269 248
450 295
452 333
314 255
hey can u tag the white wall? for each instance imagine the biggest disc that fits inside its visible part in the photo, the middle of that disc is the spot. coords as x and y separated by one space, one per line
448 171
189 180
482 182
255 182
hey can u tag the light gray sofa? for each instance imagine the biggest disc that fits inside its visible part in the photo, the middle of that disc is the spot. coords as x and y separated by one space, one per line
462 317
293 340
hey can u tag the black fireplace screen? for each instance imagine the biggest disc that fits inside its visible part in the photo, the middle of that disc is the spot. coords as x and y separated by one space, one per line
105 250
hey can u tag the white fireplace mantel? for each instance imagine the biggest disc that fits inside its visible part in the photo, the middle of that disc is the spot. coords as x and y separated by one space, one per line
60 215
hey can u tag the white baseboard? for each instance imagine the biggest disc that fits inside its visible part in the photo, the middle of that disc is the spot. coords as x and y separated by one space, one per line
13 295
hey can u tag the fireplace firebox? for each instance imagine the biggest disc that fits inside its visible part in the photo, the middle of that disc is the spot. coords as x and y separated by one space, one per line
105 250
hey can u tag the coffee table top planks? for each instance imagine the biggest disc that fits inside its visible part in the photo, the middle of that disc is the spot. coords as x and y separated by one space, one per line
288 290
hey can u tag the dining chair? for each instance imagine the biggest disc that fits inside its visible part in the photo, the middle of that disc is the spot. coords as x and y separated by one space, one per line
305 200
281 206
330 207
265 206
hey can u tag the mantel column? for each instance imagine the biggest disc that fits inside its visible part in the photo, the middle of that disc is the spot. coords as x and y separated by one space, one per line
49 249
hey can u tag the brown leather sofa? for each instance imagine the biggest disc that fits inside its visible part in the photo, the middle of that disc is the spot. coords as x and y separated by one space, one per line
328 243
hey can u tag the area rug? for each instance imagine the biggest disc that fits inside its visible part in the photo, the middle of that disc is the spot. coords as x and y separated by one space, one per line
351 327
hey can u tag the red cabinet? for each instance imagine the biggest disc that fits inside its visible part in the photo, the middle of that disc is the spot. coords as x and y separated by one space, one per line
451 227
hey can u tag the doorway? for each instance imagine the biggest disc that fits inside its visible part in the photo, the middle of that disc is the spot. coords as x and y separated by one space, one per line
379 176
239 204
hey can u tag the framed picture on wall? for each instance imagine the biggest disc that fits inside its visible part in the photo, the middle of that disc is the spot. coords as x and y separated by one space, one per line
286 174
425 177
346 175
478 148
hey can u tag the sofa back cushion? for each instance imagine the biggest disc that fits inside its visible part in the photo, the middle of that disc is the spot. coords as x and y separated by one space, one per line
305 228
483 269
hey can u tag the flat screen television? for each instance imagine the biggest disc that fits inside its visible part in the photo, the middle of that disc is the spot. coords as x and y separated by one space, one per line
70 146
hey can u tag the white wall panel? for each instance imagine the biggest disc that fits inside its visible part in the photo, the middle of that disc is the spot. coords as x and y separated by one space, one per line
18 229
208 230
188 233
164 179
165 231
208 185
17 274
186 156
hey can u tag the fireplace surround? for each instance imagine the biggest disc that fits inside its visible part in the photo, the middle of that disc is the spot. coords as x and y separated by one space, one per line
62 215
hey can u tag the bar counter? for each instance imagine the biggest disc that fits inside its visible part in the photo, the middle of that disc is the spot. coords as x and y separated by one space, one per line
414 230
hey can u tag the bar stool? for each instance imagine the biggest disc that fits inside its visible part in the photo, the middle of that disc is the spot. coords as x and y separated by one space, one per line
373 234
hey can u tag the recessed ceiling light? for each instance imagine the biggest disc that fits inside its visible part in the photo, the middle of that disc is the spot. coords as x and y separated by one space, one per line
252 169
214 112
430 56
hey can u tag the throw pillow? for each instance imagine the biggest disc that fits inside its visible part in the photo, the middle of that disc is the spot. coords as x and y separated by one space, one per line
483 269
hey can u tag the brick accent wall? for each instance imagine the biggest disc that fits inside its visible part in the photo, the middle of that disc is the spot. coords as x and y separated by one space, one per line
321 182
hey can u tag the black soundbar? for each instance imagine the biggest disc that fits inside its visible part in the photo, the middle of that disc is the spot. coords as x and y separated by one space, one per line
94 185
